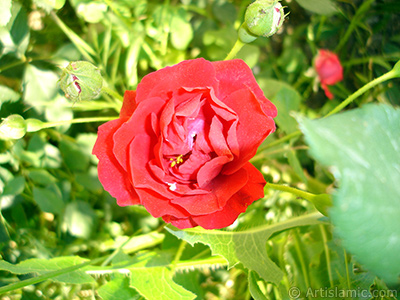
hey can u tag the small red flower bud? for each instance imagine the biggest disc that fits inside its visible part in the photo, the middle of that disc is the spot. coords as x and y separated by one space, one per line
329 69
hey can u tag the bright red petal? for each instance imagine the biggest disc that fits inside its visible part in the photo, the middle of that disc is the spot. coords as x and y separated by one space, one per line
253 127
234 75
187 74
113 177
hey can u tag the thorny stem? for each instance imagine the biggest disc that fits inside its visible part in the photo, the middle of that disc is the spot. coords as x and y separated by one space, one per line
389 75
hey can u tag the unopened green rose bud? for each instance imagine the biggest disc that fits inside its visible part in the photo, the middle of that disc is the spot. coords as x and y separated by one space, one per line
81 80
12 128
33 125
264 17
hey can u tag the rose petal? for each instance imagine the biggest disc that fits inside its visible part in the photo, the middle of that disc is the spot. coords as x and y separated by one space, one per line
218 195
217 139
210 170
237 204
194 73
129 105
180 223
112 176
124 135
159 206
253 127
235 74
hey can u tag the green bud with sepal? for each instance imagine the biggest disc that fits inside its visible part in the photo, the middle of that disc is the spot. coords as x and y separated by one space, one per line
264 17
244 35
81 81
12 128
33 125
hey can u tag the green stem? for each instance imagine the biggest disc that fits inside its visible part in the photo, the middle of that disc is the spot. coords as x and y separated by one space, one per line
281 140
49 275
389 75
300 254
236 48
153 57
288 189
75 121
112 93
179 253
327 256
80 44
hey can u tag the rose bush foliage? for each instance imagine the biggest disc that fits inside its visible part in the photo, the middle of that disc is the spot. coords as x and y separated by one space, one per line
182 143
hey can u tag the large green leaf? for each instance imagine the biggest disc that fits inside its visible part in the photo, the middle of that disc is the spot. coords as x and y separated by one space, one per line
247 247
43 266
363 148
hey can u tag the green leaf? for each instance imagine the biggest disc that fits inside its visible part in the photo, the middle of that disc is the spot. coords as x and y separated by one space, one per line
255 290
43 266
48 5
15 186
59 111
73 156
5 12
80 219
181 30
155 283
247 247
48 200
363 148
322 7
286 100
250 54
117 289
8 95
92 12
39 86
41 177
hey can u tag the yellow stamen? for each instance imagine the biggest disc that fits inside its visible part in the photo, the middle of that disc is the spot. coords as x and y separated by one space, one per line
176 161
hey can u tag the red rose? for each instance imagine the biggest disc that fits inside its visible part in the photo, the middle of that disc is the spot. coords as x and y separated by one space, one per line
182 143
329 70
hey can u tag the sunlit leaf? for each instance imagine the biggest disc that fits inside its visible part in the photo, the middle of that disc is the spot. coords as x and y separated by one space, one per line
362 147
254 288
161 283
39 86
5 12
80 219
117 289
181 30
43 266
246 247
